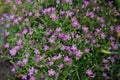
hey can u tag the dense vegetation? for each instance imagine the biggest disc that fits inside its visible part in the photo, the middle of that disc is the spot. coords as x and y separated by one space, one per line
62 39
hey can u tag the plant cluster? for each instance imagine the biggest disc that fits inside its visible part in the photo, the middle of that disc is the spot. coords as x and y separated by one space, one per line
62 39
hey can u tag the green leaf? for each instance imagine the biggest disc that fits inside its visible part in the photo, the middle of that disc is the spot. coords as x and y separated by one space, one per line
105 51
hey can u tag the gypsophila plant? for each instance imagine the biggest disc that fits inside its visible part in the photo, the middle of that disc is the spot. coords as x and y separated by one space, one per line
62 39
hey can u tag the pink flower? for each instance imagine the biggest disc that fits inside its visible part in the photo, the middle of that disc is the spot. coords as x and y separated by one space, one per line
78 54
118 29
74 47
54 17
51 72
26 20
36 51
85 29
32 71
8 1
30 32
112 59
19 42
85 4
19 34
7 45
13 52
97 30
46 47
89 72
57 1
52 40
62 12
111 28
24 77
61 35
25 60
102 35
12 16
67 59
104 74
30 13
70 13
51 63
32 78
87 50
56 57
69 1
105 60
114 46
103 25
58 29
7 25
111 38
19 18
19 2
7 33
60 66
75 22
15 21
107 67
90 13
67 37
39 58
59 56
14 7
25 31
77 36
110 4
13 69
93 41
17 47
37 14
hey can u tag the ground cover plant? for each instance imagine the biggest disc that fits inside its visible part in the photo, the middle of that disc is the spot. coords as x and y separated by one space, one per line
62 39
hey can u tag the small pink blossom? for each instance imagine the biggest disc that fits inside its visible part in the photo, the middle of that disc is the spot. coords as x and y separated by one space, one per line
51 72
87 50
36 51
46 47
14 7
7 33
19 42
13 52
51 63
61 65
25 31
89 72
37 14
30 13
8 1
30 32
7 45
54 17
52 40
19 2
103 36
74 47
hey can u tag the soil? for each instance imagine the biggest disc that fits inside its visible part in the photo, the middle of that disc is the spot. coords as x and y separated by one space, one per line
4 69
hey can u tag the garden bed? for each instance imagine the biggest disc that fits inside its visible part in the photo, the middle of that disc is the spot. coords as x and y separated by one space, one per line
60 40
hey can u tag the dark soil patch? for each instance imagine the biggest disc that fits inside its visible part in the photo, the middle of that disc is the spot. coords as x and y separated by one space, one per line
5 67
